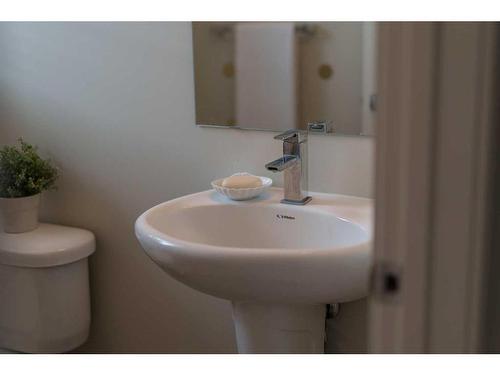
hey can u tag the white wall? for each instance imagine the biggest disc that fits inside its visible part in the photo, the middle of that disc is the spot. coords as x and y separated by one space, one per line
113 104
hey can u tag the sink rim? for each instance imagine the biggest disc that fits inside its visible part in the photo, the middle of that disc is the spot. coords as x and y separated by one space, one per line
145 230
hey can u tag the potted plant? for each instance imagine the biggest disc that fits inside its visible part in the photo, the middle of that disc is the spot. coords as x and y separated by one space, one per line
23 176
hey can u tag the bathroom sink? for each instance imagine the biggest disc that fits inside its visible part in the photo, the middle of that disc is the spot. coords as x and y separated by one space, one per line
270 259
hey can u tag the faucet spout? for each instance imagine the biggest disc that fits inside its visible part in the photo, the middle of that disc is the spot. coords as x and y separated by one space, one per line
280 164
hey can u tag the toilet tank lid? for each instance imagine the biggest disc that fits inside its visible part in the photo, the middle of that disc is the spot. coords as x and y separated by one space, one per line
46 246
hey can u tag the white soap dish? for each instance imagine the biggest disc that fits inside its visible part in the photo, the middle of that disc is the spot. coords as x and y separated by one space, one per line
241 194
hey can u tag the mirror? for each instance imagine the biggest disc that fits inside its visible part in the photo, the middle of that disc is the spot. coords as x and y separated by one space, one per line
316 76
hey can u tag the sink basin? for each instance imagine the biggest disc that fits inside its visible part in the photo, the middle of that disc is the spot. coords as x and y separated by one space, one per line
279 264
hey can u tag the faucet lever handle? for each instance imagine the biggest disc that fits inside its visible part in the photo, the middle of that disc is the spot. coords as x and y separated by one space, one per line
292 136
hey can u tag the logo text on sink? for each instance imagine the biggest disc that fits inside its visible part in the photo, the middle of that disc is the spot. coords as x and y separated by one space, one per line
279 216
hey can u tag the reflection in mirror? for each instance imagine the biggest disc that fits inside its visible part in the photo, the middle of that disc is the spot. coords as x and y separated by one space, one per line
318 76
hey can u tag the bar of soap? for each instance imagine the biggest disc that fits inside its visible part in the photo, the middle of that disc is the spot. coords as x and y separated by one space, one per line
238 182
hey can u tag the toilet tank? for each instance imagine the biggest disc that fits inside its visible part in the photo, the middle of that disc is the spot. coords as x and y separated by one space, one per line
44 289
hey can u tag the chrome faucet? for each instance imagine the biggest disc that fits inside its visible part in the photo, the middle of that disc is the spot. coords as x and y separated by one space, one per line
293 164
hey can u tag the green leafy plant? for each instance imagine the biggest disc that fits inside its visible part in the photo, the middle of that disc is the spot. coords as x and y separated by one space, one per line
23 172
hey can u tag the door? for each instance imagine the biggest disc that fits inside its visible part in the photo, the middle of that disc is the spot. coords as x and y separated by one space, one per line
434 187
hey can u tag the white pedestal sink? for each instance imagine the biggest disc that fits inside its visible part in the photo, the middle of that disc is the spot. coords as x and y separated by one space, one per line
279 264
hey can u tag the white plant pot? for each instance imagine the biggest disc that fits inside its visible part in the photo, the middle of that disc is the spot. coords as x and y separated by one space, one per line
18 215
